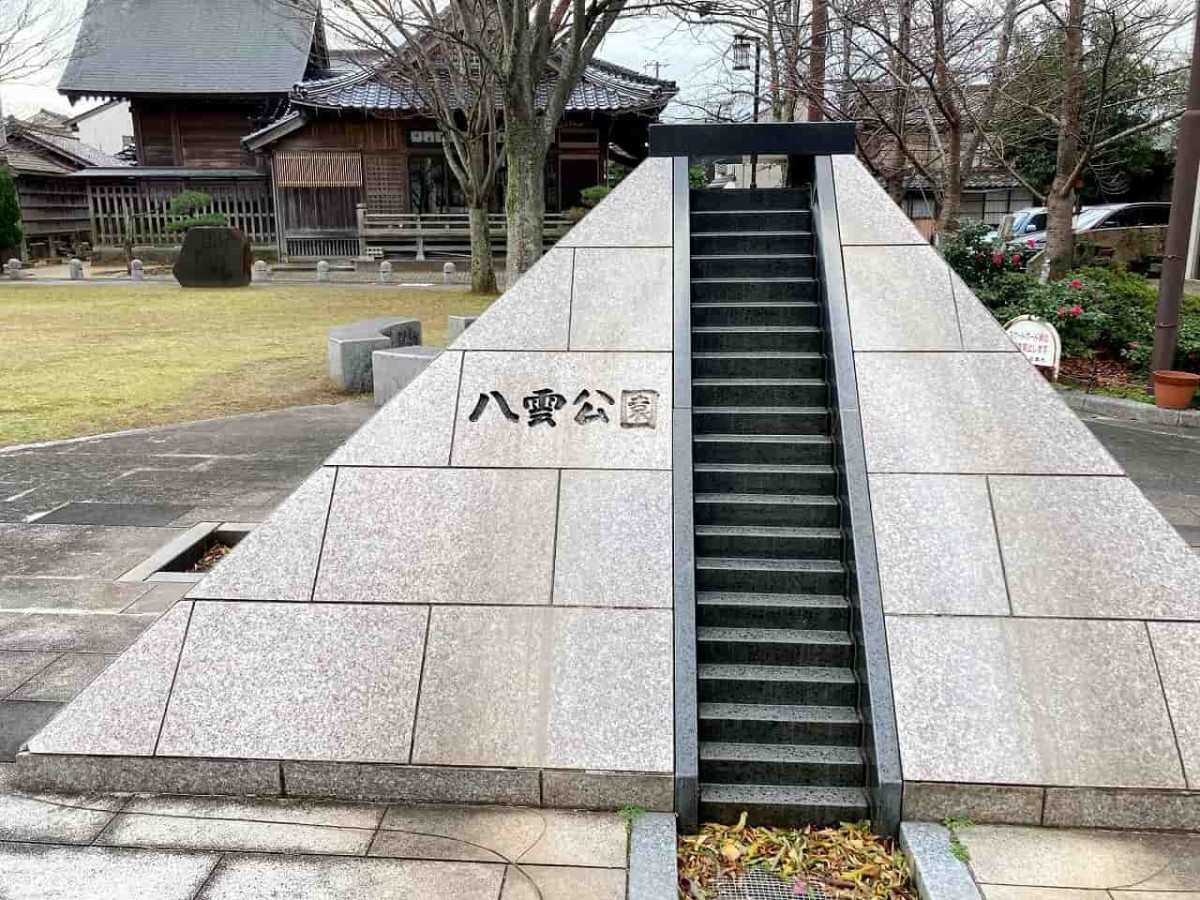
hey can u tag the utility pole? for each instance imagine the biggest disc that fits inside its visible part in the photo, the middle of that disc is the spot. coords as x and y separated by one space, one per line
741 62
1179 229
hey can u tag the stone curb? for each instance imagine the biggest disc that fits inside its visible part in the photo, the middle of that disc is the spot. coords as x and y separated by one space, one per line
1118 408
937 874
652 866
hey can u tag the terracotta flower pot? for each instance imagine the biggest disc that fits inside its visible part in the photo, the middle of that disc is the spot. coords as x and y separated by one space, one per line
1174 390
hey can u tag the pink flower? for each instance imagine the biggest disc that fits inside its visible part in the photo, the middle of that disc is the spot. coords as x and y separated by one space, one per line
997 258
1031 243
1077 310
1134 345
1016 259
1075 285
1062 312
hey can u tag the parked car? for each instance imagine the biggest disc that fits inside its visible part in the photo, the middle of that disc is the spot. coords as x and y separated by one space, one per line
1021 222
1092 218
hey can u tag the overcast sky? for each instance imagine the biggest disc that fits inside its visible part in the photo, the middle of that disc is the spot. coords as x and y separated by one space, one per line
637 44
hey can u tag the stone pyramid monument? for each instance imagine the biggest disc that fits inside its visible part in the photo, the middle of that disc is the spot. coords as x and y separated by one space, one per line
470 601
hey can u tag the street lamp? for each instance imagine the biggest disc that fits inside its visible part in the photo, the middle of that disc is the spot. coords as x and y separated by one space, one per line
741 63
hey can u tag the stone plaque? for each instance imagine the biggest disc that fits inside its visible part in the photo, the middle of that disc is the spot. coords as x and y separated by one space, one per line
214 256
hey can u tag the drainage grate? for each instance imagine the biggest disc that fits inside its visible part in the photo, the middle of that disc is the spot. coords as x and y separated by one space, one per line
89 513
754 885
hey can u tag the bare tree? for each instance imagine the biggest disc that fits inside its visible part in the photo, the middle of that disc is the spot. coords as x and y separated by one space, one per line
33 38
436 52
1104 71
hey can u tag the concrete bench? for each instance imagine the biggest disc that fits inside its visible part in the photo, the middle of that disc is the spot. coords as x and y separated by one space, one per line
351 346
394 369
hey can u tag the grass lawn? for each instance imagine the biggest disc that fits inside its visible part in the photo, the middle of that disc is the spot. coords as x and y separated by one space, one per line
78 360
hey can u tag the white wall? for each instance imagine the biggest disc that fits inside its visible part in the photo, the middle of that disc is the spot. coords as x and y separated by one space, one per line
108 128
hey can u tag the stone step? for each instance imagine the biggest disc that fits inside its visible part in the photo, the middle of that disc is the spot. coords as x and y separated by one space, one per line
788 806
734 290
828 612
783 685
765 723
754 265
774 646
750 478
757 338
750 364
760 419
728 200
788 449
757 312
769 542
781 764
759 392
732 241
769 576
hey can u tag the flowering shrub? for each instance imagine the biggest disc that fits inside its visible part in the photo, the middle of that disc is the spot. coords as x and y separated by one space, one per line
1073 307
983 265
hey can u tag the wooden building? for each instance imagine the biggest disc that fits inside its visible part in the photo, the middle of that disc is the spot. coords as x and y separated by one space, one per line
198 75
55 216
358 171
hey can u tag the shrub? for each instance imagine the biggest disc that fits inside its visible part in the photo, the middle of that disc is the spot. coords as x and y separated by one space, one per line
187 205
984 265
697 177
591 197
1073 306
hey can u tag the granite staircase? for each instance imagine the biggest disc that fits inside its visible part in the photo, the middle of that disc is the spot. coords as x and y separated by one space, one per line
780 732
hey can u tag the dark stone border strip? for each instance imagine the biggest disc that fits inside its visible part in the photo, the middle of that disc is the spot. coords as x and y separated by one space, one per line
1131 410
687 741
871 659
792 138
652 873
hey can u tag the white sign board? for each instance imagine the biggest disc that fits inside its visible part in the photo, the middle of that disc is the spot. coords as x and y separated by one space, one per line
1038 340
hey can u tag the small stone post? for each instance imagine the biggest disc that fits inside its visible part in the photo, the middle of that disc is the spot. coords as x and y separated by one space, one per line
449 271
322 271
137 270
261 272
76 268
385 272
13 267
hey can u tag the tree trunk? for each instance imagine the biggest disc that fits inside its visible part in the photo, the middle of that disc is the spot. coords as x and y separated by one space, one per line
525 197
951 211
483 269
1060 204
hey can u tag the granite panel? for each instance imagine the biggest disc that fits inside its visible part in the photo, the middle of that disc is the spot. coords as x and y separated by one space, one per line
415 427
555 688
1030 701
980 330
297 681
1094 548
938 874
563 883
607 790
614 539
993 803
900 299
45 872
68 594
574 441
67 632
636 214
866 214
652 865
1177 653
405 845
413 784
1136 810
1065 858
283 878
440 536
122 710
538 836
278 559
936 545
1024 892
284 811
622 300
483 694
612 691
533 314
152 774
942 412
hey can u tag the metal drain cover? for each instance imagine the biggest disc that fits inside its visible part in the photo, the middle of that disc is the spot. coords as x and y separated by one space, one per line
755 885
113 514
